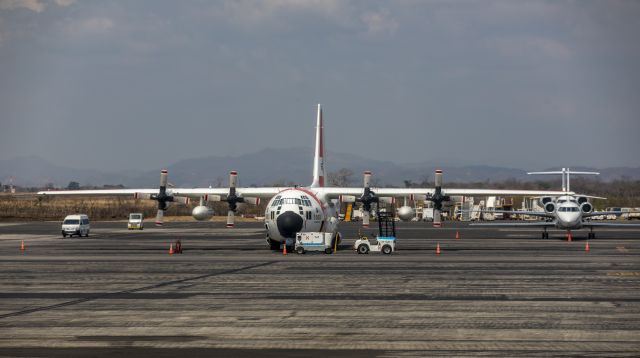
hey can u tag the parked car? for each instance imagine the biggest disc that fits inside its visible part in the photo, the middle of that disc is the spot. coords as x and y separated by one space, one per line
77 224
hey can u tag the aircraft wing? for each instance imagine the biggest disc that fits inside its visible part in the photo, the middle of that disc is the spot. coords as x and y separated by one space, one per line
518 224
97 192
512 212
598 213
600 224
501 192
264 192
335 192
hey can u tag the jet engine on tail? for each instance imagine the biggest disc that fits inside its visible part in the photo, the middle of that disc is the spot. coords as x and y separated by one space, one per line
586 207
550 207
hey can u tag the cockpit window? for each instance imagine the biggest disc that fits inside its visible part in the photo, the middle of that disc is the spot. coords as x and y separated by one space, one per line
291 201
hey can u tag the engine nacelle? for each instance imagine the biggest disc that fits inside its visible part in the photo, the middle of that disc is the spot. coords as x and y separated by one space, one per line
544 200
406 213
550 207
586 207
202 213
582 200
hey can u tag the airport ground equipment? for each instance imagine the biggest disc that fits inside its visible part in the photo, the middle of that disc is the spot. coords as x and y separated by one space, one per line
314 241
385 242
135 221
77 224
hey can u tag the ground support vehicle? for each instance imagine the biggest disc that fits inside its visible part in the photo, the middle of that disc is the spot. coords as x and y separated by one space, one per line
314 241
77 224
385 242
135 222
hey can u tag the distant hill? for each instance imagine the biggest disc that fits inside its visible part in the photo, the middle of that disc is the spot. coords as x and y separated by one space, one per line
267 167
33 171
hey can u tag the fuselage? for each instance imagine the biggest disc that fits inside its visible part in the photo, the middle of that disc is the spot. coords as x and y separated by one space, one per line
568 213
299 209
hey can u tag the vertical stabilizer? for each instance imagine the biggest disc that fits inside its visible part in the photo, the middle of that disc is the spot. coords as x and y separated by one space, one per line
566 176
318 157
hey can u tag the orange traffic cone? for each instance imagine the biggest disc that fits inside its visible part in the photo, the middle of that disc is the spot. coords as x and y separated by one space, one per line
438 248
457 235
22 246
586 247
568 235
171 248
284 249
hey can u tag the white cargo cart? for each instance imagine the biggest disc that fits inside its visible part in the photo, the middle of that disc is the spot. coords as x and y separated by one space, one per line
314 241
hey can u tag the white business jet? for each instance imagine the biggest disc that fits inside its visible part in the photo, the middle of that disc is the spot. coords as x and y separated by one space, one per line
564 212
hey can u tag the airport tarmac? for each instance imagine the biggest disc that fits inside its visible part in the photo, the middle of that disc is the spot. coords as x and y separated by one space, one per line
493 292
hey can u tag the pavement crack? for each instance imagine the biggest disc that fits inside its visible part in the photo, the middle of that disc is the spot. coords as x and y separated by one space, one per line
133 290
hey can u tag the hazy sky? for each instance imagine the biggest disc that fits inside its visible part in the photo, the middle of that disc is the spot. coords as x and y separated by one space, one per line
142 84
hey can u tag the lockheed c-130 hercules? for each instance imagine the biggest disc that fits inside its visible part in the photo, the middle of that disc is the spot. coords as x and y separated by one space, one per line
298 209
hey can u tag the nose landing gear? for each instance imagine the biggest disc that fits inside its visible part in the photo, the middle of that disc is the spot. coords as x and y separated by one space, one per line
273 244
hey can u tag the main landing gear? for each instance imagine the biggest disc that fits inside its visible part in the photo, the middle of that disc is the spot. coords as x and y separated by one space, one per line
545 234
273 244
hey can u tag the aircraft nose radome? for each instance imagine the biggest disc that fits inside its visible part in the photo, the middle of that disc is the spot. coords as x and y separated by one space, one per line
289 223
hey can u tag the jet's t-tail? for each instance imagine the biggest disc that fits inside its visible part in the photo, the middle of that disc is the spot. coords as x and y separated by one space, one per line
566 175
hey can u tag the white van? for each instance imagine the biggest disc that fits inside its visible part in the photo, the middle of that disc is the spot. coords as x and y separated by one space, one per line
135 221
76 225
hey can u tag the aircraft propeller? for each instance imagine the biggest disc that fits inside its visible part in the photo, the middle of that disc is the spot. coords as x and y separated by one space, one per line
437 198
233 199
367 198
162 197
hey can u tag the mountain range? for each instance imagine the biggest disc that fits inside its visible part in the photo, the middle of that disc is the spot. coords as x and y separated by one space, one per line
269 167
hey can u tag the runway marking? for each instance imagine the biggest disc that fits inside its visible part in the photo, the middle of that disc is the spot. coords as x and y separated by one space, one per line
624 274
559 230
29 237
622 249
9 224
134 290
